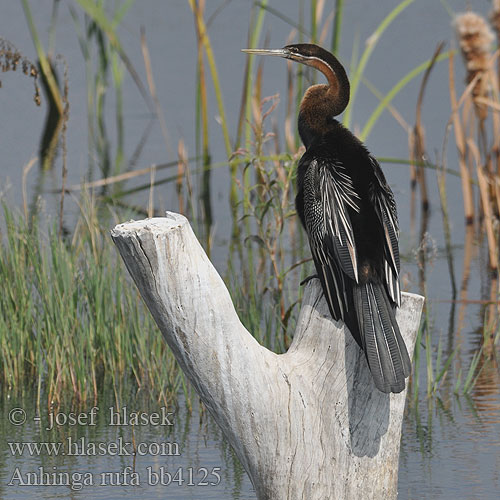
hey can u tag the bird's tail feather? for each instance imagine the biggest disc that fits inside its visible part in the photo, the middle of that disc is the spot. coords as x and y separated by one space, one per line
380 337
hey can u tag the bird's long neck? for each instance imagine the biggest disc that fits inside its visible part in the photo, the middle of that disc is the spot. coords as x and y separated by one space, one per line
338 83
321 103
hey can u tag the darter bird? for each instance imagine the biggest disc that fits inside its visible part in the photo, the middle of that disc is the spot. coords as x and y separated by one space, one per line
349 214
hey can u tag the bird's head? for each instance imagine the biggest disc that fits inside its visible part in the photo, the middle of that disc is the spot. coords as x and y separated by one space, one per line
319 58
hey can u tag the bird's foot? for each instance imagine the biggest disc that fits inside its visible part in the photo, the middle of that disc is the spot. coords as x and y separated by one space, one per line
309 278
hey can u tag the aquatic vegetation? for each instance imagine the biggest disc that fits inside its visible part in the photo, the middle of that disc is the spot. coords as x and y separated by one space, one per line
68 320
69 325
11 59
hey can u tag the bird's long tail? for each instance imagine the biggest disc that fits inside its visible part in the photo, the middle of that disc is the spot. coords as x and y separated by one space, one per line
380 337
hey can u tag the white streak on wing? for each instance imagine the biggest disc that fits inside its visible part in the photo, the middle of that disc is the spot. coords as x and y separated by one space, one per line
338 193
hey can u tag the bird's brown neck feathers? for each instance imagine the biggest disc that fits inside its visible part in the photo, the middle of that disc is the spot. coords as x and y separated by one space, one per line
323 102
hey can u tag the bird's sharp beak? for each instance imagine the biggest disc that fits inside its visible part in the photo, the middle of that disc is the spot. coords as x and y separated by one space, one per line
268 52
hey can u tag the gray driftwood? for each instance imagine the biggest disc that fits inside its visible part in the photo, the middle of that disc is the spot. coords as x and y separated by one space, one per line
308 424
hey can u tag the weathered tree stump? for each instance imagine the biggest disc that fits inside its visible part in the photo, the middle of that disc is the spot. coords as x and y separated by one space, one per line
307 424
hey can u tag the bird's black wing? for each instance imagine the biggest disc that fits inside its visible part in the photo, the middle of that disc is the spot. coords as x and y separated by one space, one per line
328 197
385 208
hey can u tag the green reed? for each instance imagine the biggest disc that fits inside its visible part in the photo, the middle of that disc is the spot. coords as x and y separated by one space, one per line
70 322
337 27
357 73
44 61
100 47
441 368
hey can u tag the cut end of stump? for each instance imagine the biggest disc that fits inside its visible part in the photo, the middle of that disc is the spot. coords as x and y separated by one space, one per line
155 225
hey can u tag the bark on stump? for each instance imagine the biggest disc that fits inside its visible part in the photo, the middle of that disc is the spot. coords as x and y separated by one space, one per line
307 424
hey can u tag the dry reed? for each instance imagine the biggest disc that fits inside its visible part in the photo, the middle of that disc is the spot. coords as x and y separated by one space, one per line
418 155
475 38
478 101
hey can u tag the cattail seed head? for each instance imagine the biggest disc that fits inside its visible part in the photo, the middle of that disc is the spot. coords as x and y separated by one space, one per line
495 17
475 38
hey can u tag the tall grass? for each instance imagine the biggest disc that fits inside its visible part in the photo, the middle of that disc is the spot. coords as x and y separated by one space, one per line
270 241
69 321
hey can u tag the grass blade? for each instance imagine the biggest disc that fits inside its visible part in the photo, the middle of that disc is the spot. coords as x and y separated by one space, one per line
370 46
44 62
372 120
